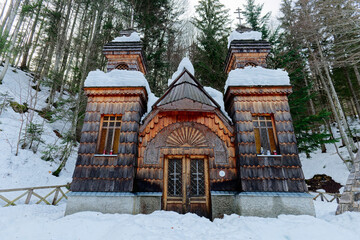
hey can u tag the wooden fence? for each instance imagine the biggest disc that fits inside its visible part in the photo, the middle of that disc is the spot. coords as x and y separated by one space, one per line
328 197
56 194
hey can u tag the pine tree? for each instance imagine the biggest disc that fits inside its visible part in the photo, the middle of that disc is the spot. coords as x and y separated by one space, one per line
212 23
253 17
157 21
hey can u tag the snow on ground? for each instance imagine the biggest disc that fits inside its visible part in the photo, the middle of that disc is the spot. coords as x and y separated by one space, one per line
329 164
28 169
47 222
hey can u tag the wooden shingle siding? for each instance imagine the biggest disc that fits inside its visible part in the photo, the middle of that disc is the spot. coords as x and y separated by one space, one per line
261 173
97 173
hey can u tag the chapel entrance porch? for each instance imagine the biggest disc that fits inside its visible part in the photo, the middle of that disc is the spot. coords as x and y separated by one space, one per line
186 185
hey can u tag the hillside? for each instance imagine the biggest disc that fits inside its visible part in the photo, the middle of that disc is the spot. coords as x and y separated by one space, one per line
28 169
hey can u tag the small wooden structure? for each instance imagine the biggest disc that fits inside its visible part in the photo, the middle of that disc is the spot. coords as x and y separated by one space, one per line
186 155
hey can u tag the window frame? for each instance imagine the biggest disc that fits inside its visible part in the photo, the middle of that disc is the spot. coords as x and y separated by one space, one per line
101 150
276 142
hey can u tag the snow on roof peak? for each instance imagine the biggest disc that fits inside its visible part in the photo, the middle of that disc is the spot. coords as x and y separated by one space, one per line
134 37
184 64
219 98
117 78
257 76
252 35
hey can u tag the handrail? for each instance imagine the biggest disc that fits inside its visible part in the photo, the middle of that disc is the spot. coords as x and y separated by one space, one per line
30 191
323 198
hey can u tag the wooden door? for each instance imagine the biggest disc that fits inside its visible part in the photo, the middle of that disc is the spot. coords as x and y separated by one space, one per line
186 187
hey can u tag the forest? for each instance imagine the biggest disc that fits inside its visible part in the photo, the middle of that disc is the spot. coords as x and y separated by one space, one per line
60 41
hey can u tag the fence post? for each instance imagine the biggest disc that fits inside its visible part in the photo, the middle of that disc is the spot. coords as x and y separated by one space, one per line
30 192
55 196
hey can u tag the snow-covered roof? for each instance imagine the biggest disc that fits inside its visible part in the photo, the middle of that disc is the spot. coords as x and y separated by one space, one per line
185 63
219 98
117 78
134 37
257 76
252 35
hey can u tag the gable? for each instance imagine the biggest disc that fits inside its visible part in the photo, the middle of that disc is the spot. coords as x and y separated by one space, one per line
186 87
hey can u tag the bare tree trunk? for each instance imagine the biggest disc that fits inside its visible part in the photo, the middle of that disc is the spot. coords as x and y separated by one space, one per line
353 107
356 70
66 56
61 31
35 43
353 93
6 30
348 166
343 120
9 52
16 58
8 13
2 11
92 36
333 108
28 43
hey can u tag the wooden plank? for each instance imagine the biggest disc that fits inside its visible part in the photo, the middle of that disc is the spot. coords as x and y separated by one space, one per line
30 192
7 201
13 201
41 187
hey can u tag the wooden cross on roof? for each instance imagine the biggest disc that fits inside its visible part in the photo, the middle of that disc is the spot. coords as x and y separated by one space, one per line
238 11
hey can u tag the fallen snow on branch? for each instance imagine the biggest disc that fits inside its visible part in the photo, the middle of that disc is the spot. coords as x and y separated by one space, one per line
257 76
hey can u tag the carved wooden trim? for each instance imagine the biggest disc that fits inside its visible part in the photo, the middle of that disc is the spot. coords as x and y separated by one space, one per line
186 137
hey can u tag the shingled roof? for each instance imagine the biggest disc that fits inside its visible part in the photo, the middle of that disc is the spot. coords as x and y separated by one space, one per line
185 86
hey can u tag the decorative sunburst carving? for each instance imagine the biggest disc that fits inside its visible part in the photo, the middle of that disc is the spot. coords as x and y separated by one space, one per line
186 137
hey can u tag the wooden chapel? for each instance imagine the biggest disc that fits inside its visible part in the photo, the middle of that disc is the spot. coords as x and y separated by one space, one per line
187 154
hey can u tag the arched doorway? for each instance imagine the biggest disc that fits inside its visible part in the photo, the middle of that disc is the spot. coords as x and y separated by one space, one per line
186 174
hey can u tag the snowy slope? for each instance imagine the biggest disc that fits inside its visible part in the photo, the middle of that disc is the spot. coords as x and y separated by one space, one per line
28 169
47 222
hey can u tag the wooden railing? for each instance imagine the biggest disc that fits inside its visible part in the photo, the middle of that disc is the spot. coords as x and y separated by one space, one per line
56 194
323 196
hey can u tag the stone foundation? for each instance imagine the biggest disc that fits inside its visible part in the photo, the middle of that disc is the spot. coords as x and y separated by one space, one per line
261 204
119 202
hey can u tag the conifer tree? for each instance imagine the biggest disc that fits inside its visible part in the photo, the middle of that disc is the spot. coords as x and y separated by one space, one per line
212 23
253 17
